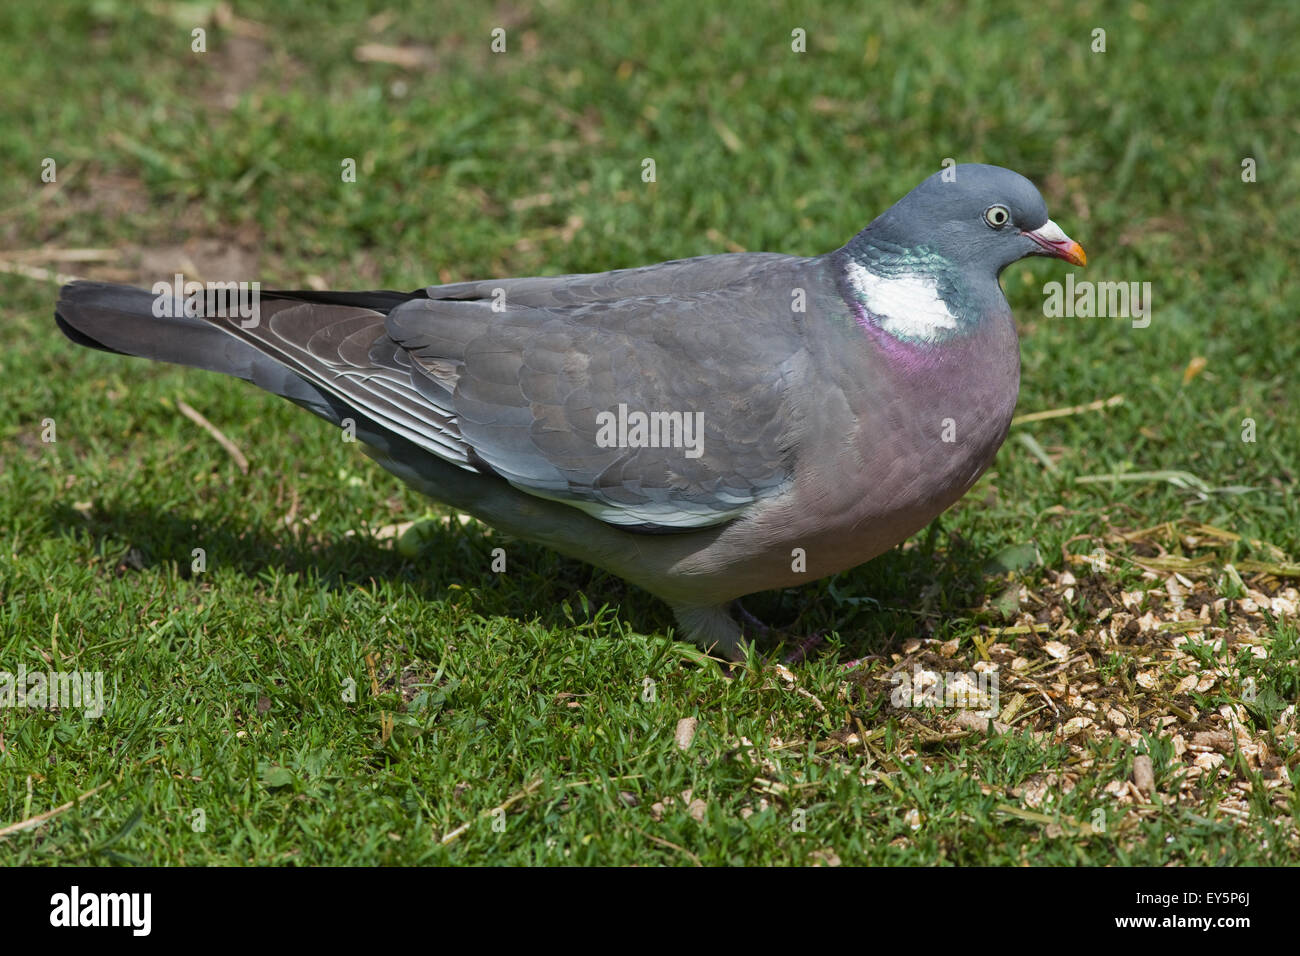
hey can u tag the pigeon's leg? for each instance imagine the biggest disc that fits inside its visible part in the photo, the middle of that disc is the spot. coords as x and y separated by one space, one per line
803 647
858 662
713 628
761 629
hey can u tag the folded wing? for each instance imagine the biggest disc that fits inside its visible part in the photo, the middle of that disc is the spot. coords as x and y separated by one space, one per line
524 377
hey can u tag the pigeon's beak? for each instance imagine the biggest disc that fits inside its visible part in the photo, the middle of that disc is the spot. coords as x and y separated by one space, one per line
1057 244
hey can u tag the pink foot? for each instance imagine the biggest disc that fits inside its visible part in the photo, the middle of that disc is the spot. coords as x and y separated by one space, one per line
803 647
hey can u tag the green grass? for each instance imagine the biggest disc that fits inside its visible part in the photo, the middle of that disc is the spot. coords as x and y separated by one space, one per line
226 688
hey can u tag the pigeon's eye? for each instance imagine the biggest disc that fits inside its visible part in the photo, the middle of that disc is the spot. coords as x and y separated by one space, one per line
997 216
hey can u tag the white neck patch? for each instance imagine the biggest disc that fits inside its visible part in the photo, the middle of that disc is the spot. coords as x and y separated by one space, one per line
906 306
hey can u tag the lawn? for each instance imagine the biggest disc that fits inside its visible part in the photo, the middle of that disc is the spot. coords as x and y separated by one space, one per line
312 694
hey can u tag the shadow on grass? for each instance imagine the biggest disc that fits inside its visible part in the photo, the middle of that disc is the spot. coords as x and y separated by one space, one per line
904 593
921 588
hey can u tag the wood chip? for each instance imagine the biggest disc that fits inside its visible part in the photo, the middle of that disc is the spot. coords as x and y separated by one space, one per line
979 722
685 734
1205 741
1144 775
1057 650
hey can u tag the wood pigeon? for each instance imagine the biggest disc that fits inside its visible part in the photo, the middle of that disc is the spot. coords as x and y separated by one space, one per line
704 428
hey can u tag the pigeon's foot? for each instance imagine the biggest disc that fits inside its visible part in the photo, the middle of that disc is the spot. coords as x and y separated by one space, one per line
763 631
802 649
713 628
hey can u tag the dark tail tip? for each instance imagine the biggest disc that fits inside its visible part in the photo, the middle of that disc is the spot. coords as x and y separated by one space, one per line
74 298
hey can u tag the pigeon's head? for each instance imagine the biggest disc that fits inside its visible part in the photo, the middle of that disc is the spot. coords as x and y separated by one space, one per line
977 217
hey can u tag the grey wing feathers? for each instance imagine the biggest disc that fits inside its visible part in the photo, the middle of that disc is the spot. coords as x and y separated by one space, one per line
702 337
343 350
512 381
677 277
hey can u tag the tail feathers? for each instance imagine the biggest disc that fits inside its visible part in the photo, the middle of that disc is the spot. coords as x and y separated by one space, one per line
119 318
